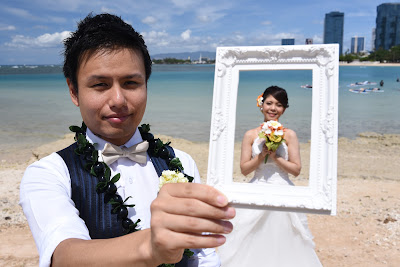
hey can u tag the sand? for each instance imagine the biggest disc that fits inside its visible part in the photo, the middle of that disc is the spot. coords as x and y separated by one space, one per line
365 231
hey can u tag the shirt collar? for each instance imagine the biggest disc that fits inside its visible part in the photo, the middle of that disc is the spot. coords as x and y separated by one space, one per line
94 139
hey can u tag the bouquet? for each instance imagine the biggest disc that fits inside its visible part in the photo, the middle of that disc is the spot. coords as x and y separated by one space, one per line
272 132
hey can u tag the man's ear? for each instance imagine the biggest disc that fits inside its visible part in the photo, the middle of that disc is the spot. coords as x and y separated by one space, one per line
73 93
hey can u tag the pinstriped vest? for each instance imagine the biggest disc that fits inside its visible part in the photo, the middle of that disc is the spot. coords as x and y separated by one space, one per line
97 215
93 209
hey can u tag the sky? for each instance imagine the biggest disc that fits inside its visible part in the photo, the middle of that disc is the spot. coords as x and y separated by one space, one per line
31 32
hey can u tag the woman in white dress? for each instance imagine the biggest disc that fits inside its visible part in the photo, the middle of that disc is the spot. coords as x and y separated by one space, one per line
263 237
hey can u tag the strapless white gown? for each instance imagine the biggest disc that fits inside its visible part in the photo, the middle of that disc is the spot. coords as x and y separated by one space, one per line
269 238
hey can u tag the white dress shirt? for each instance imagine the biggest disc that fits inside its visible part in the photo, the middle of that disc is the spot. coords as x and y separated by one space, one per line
45 196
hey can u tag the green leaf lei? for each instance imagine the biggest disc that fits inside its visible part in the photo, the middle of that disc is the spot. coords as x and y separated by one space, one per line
106 184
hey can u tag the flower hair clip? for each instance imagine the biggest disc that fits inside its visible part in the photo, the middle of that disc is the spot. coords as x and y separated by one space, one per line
260 100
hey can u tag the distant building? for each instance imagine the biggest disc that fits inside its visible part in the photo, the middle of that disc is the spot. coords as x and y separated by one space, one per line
309 41
289 41
357 45
387 26
333 29
373 40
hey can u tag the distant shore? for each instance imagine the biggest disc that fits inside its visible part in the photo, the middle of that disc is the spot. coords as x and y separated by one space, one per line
377 64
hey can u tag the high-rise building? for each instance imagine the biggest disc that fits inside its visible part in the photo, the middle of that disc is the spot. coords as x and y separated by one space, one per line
309 41
357 44
373 40
387 26
333 29
289 41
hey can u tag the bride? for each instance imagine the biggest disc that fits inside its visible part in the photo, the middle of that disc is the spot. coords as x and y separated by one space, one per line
270 238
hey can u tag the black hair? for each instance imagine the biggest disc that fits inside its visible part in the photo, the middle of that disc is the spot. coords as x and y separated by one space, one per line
278 93
94 33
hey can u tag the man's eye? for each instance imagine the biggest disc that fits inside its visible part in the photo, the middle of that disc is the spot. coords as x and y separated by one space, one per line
99 85
131 82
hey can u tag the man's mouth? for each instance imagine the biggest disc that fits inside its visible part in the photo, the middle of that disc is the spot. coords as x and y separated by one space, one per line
116 118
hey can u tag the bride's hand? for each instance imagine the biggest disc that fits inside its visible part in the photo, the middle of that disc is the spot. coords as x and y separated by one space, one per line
272 154
265 151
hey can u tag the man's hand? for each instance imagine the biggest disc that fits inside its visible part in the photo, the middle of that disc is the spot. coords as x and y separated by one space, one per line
181 213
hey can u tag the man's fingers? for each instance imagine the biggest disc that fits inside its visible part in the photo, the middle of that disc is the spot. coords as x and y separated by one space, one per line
189 224
188 240
194 208
204 193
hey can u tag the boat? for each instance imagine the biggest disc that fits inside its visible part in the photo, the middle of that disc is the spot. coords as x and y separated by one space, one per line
306 86
375 90
358 90
361 84
366 90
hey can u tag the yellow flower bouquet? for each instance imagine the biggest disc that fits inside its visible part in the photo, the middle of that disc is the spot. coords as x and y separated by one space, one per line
272 132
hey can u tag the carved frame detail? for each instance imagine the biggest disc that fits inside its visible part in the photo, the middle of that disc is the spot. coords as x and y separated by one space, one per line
321 193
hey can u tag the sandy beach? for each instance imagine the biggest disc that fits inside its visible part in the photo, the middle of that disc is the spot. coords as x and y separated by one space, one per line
365 231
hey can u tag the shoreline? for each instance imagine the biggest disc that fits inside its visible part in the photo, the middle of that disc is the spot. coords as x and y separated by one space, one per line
369 64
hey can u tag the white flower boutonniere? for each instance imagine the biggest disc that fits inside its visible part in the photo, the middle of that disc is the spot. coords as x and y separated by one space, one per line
172 177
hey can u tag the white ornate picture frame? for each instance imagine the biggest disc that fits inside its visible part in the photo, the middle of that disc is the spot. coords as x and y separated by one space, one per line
320 194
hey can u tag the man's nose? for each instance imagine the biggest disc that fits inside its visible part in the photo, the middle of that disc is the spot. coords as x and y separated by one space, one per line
117 96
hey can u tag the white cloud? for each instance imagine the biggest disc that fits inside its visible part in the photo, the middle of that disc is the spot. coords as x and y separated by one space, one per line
45 40
7 28
58 20
317 39
204 18
360 14
186 35
154 34
149 20
18 12
184 3
156 38
210 13
107 10
68 5
239 37
319 22
283 35
267 22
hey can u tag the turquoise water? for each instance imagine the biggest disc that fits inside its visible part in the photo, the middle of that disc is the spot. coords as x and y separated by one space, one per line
35 106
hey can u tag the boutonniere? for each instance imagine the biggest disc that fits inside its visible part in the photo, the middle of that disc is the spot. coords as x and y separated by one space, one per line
168 177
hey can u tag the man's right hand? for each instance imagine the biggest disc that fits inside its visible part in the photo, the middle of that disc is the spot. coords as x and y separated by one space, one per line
180 216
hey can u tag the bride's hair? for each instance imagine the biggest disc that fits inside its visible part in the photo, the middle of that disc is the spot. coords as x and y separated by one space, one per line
278 93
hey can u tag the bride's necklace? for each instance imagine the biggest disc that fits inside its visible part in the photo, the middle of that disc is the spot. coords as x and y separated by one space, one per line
106 184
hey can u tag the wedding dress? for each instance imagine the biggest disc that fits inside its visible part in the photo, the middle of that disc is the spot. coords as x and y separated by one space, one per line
269 238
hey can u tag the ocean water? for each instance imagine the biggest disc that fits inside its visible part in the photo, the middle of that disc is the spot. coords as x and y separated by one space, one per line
35 106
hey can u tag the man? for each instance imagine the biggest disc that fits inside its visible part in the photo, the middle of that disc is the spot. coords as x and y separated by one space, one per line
107 67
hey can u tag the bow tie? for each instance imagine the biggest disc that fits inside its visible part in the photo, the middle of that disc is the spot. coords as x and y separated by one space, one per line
136 153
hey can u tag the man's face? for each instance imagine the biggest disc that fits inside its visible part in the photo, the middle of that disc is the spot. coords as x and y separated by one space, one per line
112 93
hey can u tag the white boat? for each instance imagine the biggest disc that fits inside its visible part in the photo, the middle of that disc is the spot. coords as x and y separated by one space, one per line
366 90
361 84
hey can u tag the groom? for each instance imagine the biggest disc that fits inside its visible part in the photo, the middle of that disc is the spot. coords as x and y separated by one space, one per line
107 67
